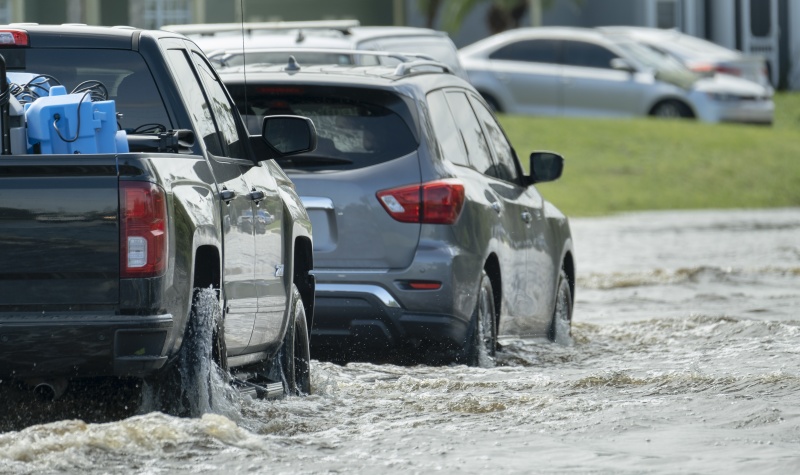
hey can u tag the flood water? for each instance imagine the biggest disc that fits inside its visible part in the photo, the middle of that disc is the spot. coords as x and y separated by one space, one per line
685 359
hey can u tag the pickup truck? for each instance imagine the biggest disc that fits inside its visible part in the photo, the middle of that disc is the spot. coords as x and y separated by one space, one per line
128 187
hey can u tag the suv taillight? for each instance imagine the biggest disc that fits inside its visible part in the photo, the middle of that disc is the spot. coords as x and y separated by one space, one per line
143 229
434 202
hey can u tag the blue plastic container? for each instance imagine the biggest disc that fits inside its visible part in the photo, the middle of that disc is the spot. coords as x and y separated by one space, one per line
64 123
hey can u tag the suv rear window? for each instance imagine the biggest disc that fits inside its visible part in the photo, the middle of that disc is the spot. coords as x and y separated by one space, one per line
355 127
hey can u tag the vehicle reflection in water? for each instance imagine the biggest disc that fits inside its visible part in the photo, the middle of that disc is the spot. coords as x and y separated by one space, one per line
684 355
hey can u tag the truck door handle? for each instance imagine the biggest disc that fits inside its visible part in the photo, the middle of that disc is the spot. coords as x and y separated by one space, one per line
496 207
526 216
227 195
256 196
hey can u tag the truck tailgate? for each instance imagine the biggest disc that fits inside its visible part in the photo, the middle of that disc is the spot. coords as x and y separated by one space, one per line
59 232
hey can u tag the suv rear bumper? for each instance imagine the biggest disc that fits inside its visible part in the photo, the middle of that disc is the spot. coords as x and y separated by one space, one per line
369 317
48 345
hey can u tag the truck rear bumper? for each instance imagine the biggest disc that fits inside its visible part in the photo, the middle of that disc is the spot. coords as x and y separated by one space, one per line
47 345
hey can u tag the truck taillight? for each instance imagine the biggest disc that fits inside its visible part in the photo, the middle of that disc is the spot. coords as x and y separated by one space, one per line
143 229
434 202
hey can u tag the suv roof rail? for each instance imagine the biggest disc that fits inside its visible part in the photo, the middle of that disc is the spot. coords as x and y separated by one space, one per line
406 68
210 29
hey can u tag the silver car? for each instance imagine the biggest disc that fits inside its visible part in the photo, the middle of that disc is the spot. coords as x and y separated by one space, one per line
225 41
584 72
429 238
699 55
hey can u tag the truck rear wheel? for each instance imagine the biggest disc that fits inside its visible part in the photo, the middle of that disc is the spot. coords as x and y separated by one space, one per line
197 379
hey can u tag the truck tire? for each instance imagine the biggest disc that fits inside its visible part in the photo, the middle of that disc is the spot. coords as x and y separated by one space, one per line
193 383
295 354
561 324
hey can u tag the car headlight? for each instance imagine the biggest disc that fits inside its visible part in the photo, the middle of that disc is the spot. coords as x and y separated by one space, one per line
723 97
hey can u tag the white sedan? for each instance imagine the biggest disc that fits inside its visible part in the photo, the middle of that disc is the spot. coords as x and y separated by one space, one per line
585 72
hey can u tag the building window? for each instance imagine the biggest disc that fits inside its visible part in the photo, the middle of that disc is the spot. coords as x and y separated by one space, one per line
157 13
6 12
760 18
668 14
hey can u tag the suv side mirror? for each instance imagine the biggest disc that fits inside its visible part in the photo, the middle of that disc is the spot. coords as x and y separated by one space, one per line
289 134
545 166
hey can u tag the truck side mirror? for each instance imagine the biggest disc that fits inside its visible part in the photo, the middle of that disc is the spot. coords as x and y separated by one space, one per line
289 134
545 166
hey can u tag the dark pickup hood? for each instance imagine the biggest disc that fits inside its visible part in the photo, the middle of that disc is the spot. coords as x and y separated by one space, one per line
59 237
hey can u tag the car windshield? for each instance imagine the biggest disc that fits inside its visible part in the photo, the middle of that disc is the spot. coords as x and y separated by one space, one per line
355 127
665 67
688 47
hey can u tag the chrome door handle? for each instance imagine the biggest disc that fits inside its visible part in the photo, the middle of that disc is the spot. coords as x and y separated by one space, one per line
526 216
257 196
496 207
227 195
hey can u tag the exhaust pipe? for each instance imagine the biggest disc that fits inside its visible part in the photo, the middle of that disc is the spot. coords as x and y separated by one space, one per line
48 391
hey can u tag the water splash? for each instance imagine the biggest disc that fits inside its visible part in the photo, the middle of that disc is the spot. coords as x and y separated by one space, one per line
201 386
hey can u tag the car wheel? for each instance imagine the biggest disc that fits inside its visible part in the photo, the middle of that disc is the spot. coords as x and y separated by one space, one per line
672 109
561 324
482 343
295 354
187 386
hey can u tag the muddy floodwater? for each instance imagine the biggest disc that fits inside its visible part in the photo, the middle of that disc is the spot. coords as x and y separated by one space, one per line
685 359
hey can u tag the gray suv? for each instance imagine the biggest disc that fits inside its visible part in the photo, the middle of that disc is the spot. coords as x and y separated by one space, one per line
429 238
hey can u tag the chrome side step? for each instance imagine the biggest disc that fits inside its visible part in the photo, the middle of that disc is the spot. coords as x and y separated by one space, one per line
258 390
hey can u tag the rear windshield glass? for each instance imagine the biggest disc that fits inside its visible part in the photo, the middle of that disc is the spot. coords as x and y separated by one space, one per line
355 127
104 74
282 58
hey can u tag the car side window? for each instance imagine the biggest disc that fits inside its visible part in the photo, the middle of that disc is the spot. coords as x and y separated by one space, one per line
446 130
537 51
588 55
196 102
506 168
222 108
477 147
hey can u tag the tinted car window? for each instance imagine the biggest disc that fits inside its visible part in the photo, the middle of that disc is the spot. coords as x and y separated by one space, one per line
580 53
355 127
196 102
506 168
123 76
223 110
441 49
538 51
273 57
446 130
477 148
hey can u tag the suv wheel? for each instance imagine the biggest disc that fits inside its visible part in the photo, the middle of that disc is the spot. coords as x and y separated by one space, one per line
482 343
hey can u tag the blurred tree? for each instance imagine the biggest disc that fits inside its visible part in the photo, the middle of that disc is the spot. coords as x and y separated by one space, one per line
502 14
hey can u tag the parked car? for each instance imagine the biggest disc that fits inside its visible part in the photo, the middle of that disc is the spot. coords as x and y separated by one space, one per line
227 40
585 72
429 238
132 253
699 55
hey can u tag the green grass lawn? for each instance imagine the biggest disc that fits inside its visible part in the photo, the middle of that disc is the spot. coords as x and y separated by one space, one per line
645 164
